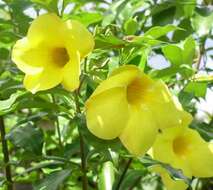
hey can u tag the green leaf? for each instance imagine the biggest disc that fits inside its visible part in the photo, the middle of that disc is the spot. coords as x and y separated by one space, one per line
106 176
185 99
102 41
43 164
158 31
205 130
173 53
144 57
87 18
202 21
189 50
186 25
130 26
164 13
187 7
51 5
53 180
144 41
29 138
6 105
181 57
131 178
197 88
113 11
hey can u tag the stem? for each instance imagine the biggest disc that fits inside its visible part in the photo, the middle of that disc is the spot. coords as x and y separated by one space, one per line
83 158
123 174
58 126
6 155
62 8
201 52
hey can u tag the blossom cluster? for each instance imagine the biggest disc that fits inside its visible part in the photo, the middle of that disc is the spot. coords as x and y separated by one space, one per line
128 105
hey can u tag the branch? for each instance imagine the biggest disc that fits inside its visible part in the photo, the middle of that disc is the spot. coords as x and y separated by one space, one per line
6 155
123 174
83 158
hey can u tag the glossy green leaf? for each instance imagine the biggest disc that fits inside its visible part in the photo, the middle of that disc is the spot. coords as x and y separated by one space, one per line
202 21
53 180
108 42
87 18
197 88
173 53
132 177
28 137
130 26
106 176
158 31
6 105
189 51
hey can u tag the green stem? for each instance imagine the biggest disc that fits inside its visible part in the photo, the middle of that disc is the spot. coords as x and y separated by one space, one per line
6 155
123 174
58 127
83 157
63 8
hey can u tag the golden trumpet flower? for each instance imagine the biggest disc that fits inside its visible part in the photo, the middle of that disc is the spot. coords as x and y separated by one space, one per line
50 54
132 106
183 148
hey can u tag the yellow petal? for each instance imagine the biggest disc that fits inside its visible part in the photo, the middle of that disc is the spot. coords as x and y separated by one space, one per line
107 113
125 68
123 77
165 149
47 79
168 111
140 132
183 148
81 38
29 60
47 28
167 180
200 156
71 72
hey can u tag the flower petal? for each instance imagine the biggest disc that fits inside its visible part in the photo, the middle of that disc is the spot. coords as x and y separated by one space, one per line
167 180
140 132
47 28
200 157
163 149
107 113
123 77
183 148
47 79
168 111
26 58
71 72
80 38
125 68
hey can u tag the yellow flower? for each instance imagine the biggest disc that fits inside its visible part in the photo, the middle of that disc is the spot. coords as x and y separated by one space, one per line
170 183
131 106
183 148
50 54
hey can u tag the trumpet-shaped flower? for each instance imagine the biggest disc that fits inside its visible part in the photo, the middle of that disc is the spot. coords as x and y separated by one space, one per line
170 183
50 54
183 148
131 106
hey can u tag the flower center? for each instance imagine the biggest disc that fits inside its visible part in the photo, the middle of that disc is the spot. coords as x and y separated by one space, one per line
181 146
60 56
135 91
